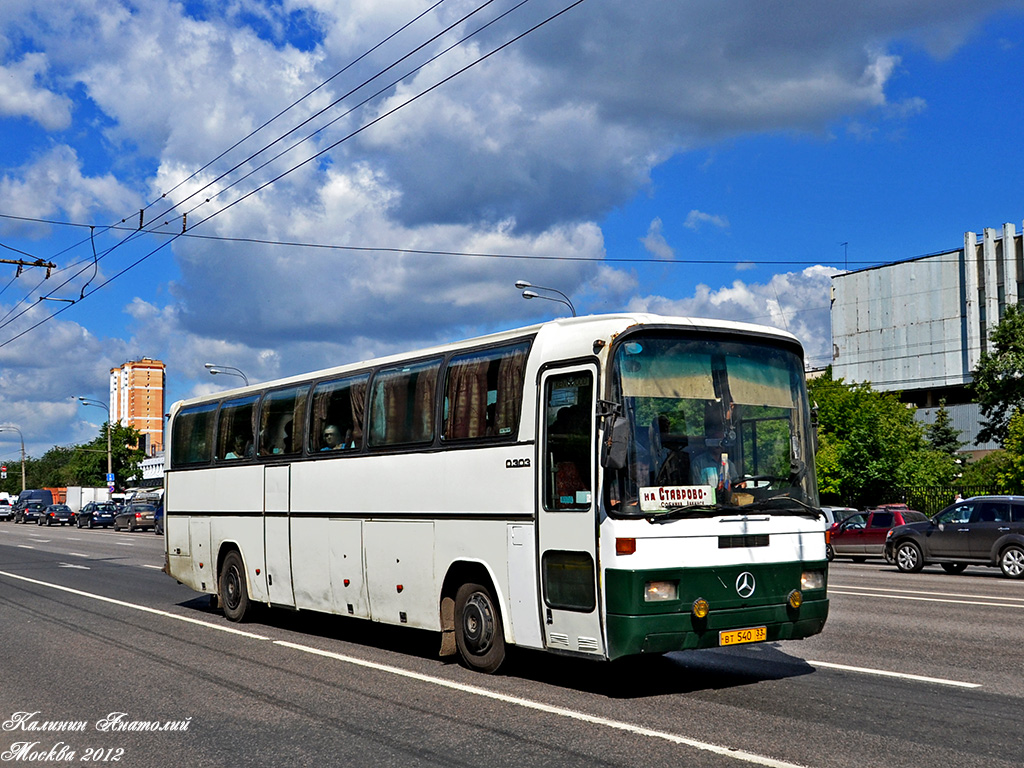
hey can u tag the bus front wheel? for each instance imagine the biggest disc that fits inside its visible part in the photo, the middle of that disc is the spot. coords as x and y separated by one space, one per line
234 594
479 636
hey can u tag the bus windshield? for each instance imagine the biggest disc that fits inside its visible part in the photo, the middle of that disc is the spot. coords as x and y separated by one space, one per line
704 424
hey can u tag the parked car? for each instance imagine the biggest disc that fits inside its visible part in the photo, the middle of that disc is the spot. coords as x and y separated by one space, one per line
863 534
981 530
835 515
136 517
28 512
59 514
6 510
96 514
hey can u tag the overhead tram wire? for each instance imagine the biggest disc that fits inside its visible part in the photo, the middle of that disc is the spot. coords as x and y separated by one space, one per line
337 101
376 120
241 141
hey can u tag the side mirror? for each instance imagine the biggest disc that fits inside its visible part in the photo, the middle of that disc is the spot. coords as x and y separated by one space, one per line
614 445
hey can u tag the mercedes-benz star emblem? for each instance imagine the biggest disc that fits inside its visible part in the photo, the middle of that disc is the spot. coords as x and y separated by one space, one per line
745 584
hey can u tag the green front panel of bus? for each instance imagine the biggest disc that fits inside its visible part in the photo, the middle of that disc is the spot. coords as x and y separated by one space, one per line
637 626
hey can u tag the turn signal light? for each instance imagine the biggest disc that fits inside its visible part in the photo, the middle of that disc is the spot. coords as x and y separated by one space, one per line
795 599
700 608
625 546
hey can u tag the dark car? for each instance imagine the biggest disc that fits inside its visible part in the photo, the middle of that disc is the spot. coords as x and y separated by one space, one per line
96 514
136 517
981 530
158 526
28 512
863 535
56 514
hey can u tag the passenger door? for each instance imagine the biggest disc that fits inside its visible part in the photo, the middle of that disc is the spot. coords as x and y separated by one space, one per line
873 538
949 538
567 516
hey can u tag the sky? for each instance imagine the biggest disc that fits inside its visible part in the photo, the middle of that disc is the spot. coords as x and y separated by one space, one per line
286 185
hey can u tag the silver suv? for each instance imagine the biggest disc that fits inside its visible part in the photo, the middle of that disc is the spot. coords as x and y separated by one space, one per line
981 530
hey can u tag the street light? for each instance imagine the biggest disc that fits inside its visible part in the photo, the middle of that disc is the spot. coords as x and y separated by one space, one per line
521 284
110 461
214 369
8 428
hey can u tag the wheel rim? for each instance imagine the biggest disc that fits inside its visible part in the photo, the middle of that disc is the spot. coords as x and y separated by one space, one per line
1013 562
232 587
478 624
906 558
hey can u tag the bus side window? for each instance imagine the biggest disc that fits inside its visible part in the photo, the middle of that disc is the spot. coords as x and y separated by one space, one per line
234 428
282 417
483 393
338 406
568 413
402 404
192 436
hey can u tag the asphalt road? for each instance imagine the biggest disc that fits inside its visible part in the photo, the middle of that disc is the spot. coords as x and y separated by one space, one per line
911 670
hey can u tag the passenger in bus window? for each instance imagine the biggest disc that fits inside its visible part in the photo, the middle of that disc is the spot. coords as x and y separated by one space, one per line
332 438
238 449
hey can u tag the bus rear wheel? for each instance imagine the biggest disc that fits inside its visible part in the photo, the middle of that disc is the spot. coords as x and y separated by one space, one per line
234 594
479 636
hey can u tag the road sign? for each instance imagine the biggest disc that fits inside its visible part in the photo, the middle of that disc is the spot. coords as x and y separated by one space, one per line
110 478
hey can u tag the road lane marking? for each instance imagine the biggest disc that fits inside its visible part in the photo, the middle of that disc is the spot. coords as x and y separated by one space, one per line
78 554
154 567
25 546
900 675
928 599
748 757
69 565
928 592
137 607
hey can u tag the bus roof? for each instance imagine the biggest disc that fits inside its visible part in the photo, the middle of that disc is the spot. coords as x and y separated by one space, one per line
570 332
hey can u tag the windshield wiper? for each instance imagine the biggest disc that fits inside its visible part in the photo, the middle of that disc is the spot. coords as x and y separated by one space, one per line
693 510
784 505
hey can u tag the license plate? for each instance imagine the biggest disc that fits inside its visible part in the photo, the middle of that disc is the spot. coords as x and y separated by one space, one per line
736 636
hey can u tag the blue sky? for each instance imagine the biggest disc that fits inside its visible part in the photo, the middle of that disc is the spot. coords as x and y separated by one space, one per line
706 158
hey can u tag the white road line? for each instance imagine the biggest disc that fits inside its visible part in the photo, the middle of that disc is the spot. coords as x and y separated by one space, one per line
125 544
154 567
143 608
927 599
70 565
25 546
748 757
929 592
900 675
78 554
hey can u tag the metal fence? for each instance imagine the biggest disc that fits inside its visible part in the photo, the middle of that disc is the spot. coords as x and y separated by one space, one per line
935 499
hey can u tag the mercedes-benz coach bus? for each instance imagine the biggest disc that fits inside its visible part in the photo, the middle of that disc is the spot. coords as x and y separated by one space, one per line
598 486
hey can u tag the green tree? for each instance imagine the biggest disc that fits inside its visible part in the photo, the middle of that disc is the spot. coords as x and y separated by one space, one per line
942 435
985 472
870 445
88 467
998 384
1011 475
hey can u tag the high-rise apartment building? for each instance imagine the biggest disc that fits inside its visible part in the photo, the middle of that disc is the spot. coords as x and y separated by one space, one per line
137 400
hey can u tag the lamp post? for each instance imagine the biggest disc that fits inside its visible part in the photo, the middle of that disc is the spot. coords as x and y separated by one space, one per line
8 428
521 284
110 460
230 370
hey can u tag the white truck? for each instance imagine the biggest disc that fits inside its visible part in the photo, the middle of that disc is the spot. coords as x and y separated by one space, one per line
78 497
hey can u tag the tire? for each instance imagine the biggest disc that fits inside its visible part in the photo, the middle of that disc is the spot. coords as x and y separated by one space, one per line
908 557
830 554
231 585
479 635
131 526
1011 562
954 568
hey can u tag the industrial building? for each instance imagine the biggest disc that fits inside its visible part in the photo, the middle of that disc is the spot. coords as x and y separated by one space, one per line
919 326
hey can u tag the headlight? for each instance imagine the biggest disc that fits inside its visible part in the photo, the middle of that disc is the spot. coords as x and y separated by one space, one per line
657 591
812 580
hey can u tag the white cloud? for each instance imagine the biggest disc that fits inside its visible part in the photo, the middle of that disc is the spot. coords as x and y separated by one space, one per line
695 219
21 95
655 243
794 301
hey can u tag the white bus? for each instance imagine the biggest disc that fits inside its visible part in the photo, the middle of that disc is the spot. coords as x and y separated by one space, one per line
599 486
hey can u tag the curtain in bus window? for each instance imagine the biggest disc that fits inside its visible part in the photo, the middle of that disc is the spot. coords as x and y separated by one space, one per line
686 376
358 400
402 410
759 382
511 372
467 400
423 412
